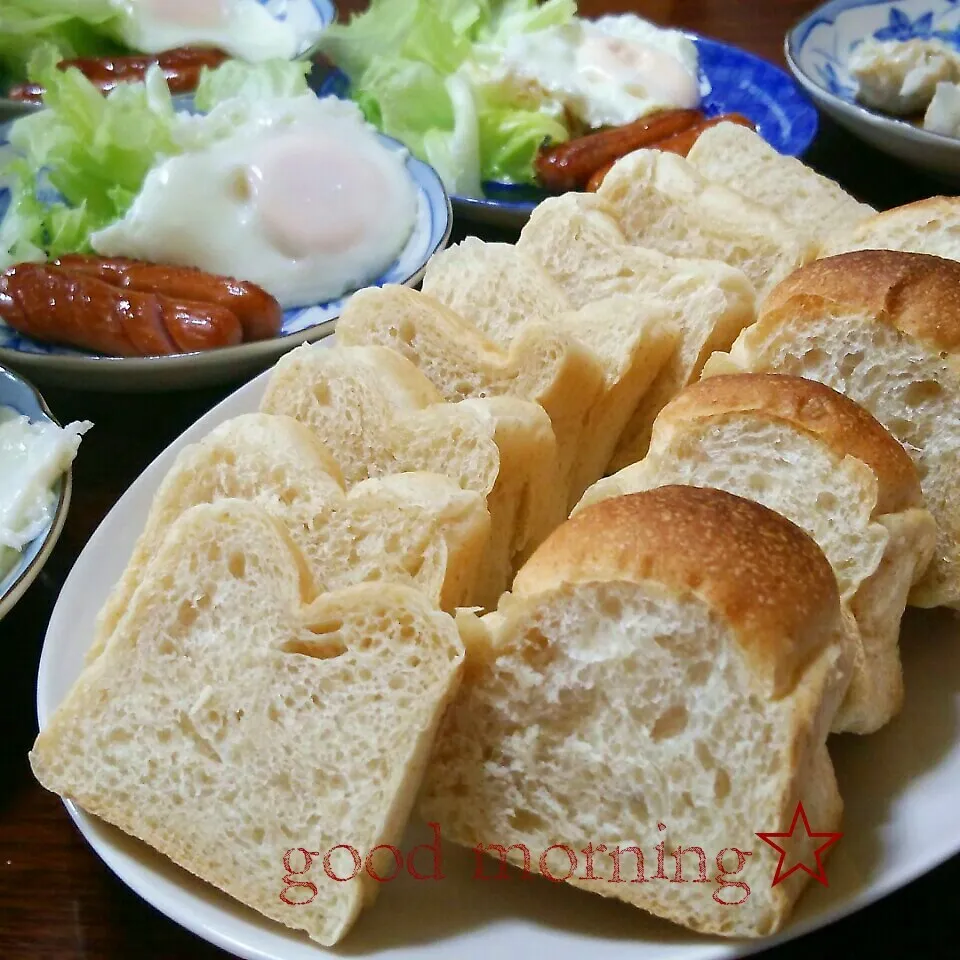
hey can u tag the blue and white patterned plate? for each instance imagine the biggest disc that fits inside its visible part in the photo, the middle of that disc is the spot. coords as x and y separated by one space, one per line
818 50
24 398
731 81
309 16
65 366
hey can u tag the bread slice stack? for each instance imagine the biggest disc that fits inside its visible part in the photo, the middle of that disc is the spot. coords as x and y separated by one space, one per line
237 718
883 328
664 202
418 529
928 226
576 239
379 416
815 207
823 462
666 669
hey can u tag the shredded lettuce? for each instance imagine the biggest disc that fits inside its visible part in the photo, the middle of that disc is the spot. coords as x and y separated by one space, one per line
80 163
78 28
413 68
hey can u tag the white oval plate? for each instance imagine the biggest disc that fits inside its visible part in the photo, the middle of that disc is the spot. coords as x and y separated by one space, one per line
818 49
23 397
65 366
308 15
900 789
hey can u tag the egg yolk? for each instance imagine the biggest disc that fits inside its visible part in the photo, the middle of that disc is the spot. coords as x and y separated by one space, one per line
311 196
640 68
193 13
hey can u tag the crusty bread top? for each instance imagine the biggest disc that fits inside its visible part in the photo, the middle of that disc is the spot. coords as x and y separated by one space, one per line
917 293
844 426
759 572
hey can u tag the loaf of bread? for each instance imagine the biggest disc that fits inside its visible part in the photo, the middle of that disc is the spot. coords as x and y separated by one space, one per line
738 158
666 669
235 717
378 415
662 201
928 226
883 328
576 239
418 529
823 462
501 289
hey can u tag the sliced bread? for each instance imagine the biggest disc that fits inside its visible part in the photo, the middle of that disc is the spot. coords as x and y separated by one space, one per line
236 720
378 416
883 328
419 529
576 239
666 670
823 462
502 290
738 158
662 201
928 226
541 363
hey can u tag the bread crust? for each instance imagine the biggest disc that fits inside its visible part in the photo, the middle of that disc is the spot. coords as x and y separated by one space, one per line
814 408
916 293
764 575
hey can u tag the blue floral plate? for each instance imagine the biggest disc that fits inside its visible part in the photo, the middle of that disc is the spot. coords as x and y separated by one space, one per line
309 15
731 81
65 366
818 50
21 396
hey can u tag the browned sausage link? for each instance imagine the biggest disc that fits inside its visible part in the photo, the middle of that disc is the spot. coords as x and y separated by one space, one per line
682 143
259 314
181 67
570 165
55 305
596 181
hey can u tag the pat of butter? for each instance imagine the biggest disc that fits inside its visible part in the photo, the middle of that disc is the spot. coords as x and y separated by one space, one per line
33 456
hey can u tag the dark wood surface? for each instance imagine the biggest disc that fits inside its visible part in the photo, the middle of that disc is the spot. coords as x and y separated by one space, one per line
57 900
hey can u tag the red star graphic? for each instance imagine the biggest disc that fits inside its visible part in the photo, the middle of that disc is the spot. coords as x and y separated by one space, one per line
829 840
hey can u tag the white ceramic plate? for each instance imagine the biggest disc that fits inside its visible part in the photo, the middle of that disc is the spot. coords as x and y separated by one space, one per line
23 397
818 50
900 789
309 15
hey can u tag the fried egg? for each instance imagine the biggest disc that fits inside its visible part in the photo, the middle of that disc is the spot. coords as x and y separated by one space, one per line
606 72
301 198
244 29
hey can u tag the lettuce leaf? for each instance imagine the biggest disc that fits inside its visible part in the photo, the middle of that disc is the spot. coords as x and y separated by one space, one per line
78 28
415 68
235 80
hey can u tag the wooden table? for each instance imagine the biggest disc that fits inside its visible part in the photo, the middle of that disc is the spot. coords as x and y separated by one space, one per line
57 900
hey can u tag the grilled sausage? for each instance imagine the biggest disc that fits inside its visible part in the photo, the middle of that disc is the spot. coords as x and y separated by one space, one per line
570 165
259 314
57 305
181 68
682 143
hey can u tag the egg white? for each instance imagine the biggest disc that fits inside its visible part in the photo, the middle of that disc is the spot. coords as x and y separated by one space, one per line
301 198
607 72
244 29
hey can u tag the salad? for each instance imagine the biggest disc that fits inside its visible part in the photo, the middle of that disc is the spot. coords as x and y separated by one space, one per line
480 89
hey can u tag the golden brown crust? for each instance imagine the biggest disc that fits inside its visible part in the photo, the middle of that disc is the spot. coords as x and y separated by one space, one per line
916 293
844 426
759 572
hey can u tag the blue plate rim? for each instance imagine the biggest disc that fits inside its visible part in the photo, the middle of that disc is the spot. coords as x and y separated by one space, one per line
22 575
518 208
793 41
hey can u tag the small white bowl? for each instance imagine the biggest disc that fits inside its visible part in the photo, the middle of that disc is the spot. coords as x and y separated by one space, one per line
818 49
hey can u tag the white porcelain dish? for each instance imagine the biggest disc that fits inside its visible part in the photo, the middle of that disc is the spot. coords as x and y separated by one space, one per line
65 366
312 14
818 49
23 397
899 787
